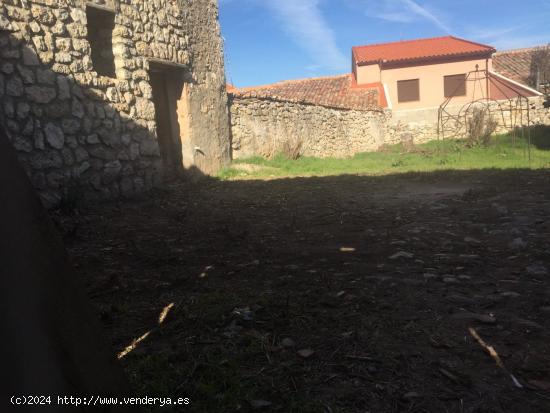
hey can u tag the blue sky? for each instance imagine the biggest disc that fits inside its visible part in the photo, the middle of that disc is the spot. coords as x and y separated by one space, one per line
271 40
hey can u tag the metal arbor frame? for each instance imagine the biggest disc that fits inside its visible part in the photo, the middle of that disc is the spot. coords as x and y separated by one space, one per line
511 114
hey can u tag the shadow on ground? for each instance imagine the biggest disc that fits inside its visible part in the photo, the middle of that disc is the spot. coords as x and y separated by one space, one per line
336 294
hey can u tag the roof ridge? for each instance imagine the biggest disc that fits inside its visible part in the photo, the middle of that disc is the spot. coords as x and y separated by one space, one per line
472 42
401 41
419 49
424 39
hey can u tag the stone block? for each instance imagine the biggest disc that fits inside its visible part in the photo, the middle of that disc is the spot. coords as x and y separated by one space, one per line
45 77
57 109
145 109
81 169
54 136
77 110
81 154
64 87
111 172
146 89
68 157
29 57
102 153
5 24
21 144
70 126
149 147
78 16
38 137
43 15
63 44
26 74
63 57
9 109
40 94
23 110
7 68
46 160
14 87
77 30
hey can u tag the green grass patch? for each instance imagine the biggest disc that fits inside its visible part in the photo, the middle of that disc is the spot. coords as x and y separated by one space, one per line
504 152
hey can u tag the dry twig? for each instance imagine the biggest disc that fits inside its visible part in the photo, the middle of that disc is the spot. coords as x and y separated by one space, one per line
493 353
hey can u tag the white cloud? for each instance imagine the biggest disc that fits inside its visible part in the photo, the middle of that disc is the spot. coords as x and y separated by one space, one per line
503 38
404 11
303 21
426 14
491 33
515 42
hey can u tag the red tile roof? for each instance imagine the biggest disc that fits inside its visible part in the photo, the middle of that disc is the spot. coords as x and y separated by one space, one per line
515 64
334 92
419 50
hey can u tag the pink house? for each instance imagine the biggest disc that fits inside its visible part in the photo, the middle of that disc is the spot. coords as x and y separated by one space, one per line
423 73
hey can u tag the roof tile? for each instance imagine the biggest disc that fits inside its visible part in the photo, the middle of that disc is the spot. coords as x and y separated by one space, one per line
419 49
335 92
515 64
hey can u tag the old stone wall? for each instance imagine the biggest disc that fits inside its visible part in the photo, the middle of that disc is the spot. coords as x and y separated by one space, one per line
418 126
262 126
82 134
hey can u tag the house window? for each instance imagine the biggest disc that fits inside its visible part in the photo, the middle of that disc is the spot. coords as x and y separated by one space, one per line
100 36
455 85
408 90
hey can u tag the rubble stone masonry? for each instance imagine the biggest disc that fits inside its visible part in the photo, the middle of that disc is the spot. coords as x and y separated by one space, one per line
262 126
82 134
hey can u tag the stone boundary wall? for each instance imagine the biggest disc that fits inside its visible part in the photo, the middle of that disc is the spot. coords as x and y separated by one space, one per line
423 123
81 134
262 126
539 114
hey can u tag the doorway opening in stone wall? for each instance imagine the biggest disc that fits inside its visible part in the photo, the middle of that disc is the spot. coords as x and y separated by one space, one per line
168 84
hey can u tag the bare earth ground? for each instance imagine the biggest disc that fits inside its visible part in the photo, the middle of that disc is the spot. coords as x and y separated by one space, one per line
336 294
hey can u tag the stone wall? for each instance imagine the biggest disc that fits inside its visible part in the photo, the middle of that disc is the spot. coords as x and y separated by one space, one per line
81 134
262 126
539 114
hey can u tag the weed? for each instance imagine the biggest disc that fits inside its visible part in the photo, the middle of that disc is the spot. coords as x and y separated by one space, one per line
292 148
480 127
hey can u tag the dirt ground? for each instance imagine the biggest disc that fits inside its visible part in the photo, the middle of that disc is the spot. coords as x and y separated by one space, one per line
336 294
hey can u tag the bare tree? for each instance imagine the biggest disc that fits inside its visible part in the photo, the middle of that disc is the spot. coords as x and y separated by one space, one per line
539 77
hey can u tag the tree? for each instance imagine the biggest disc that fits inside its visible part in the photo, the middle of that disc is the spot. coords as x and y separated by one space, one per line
539 77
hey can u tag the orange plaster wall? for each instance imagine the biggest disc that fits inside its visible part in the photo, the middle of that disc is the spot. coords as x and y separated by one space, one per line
431 81
368 74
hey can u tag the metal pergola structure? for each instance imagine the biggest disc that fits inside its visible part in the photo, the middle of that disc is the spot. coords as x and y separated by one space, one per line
510 113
